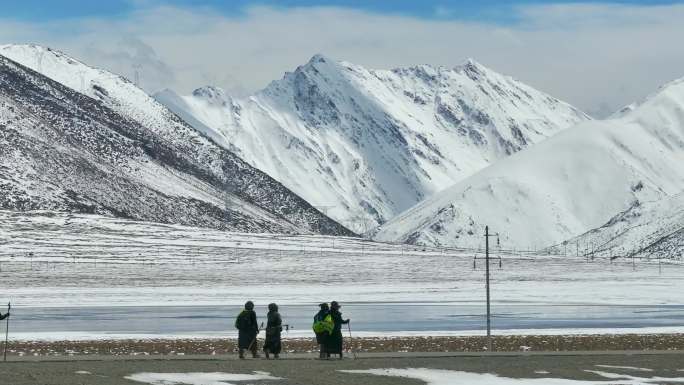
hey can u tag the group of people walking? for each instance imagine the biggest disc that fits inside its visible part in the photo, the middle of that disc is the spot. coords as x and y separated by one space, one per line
327 326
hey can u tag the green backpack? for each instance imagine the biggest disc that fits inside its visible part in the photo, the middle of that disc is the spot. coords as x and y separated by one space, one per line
323 325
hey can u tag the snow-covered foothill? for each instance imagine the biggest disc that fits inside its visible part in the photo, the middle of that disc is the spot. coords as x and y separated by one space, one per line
569 184
649 230
364 145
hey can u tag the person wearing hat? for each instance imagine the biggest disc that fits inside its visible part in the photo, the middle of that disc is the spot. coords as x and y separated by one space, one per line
334 342
322 327
248 330
274 326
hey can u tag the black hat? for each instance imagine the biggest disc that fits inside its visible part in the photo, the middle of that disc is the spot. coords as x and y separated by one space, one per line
272 307
249 305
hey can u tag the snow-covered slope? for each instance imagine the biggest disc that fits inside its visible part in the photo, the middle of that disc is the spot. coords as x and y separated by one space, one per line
645 230
563 187
367 144
119 152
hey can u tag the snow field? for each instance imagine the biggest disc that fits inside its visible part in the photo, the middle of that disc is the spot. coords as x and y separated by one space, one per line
78 260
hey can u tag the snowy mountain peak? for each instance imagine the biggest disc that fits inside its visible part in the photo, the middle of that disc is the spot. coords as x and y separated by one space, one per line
473 66
669 95
364 144
212 94
62 68
320 58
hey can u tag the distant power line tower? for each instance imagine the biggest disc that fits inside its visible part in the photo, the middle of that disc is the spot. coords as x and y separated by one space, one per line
81 75
136 73
40 61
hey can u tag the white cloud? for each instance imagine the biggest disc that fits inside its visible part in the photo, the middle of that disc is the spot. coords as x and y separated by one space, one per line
598 57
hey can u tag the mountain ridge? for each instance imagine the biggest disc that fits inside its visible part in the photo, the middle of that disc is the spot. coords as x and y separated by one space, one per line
176 174
368 144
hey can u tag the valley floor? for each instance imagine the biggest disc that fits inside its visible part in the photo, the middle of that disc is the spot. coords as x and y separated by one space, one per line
84 277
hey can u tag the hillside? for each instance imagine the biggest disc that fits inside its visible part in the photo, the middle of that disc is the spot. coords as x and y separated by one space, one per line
645 230
563 187
113 150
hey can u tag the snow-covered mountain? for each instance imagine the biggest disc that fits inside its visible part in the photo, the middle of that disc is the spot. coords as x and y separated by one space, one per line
111 149
645 230
365 145
571 183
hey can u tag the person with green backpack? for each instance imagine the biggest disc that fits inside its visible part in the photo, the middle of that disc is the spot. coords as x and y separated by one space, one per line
334 341
322 326
248 330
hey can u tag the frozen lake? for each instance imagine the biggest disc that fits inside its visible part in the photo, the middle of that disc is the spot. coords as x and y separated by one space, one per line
367 319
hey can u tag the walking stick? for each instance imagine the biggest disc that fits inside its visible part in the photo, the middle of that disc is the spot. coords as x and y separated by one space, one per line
9 306
254 341
351 340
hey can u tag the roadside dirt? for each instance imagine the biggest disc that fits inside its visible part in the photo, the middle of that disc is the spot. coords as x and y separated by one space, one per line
661 342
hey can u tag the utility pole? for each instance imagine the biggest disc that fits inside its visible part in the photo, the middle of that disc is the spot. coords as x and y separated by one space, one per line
489 314
9 307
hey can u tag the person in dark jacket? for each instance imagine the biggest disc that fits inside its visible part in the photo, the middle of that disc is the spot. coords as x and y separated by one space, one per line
322 337
248 329
334 341
274 326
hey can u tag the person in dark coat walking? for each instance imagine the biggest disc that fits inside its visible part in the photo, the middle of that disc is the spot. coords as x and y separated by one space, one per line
274 326
248 329
334 341
322 336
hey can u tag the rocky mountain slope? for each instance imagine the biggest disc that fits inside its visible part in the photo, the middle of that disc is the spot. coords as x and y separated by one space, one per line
111 149
365 145
645 230
563 187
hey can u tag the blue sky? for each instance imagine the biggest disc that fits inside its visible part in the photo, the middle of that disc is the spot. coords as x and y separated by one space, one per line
597 55
496 11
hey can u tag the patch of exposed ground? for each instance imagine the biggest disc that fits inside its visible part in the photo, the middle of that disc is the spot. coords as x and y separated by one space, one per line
389 344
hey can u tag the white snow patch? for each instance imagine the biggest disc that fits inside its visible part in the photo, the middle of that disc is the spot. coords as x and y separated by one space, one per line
625 367
198 378
84 372
449 377
632 380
